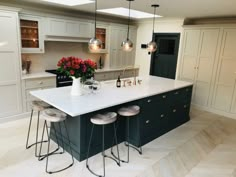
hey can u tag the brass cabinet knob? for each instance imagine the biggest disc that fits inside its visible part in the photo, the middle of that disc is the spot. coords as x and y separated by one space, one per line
149 101
174 110
147 121
162 115
164 96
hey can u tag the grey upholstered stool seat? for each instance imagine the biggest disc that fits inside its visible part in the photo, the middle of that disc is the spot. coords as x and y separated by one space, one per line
102 120
54 116
129 112
38 106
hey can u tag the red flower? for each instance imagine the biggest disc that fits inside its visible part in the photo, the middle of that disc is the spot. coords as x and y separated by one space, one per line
72 72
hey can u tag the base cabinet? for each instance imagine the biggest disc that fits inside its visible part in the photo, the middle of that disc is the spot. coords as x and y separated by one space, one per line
159 114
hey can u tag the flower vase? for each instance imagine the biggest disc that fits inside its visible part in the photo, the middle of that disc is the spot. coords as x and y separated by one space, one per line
76 89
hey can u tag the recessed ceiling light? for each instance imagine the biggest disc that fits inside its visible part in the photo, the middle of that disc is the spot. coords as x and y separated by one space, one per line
125 12
70 2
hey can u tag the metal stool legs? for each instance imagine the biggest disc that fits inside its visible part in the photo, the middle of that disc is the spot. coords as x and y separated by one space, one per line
103 151
53 153
127 144
28 134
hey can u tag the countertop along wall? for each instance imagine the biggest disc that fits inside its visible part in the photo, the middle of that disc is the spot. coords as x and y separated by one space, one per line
144 35
54 51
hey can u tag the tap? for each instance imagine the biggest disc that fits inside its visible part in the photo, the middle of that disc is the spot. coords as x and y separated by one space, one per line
130 67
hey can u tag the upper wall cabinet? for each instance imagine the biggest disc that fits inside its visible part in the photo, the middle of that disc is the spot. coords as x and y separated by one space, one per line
68 28
118 57
31 34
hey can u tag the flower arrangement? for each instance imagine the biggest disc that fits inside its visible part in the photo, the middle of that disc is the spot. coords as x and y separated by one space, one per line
76 67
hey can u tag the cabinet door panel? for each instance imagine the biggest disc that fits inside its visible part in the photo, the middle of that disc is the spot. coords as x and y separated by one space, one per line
8 68
229 45
85 30
8 33
201 93
10 97
72 28
188 70
223 97
205 65
10 102
225 82
57 27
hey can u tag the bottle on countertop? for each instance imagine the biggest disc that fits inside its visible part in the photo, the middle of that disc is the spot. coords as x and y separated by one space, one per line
118 82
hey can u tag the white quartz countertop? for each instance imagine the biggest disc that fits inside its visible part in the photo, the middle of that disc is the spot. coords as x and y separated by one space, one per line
37 75
109 95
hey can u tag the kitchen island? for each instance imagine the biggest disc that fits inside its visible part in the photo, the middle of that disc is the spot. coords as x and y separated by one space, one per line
164 103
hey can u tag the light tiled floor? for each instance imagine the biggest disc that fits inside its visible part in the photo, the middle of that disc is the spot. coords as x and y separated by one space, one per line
203 147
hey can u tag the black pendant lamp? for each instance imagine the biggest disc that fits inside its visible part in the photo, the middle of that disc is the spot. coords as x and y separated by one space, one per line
94 43
127 45
152 46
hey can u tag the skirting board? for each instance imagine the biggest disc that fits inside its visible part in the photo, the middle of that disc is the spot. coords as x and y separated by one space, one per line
15 117
215 111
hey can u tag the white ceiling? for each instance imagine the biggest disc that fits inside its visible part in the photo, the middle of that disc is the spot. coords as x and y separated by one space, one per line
168 8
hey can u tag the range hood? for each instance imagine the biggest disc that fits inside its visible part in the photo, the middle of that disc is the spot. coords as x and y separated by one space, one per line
66 39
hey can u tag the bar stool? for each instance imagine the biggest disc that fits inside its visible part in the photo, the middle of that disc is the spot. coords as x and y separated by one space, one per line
38 106
102 120
52 116
129 112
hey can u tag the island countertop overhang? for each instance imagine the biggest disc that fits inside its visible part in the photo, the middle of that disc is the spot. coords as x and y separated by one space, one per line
107 96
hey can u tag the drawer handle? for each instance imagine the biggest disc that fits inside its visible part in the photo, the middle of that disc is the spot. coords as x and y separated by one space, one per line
149 101
162 115
147 121
164 96
174 110
176 93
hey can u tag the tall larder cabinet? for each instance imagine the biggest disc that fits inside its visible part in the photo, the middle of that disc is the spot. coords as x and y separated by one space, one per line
10 89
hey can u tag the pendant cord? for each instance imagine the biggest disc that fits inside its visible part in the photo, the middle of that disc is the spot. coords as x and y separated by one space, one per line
153 22
95 18
128 20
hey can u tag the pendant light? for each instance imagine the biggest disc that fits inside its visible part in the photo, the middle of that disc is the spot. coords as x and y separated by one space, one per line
94 43
127 44
152 46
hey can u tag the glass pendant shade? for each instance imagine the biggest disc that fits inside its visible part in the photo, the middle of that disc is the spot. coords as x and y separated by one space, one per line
152 46
127 45
94 44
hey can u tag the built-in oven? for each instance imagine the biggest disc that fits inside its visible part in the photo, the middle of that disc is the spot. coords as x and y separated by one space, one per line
62 80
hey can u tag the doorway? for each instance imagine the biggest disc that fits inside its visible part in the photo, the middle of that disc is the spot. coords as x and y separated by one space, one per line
164 60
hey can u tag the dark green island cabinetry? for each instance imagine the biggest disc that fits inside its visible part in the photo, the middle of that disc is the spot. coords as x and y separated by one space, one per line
159 114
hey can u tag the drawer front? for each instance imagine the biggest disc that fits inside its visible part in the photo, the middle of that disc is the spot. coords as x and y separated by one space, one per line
161 98
42 82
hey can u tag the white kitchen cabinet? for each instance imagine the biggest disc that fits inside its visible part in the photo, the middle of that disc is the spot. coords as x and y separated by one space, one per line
199 61
32 38
35 84
118 57
225 85
10 85
68 28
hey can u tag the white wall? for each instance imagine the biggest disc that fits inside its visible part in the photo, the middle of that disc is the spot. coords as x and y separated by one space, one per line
54 51
144 35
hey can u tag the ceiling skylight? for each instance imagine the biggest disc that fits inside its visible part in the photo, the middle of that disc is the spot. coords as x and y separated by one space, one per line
70 2
125 12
